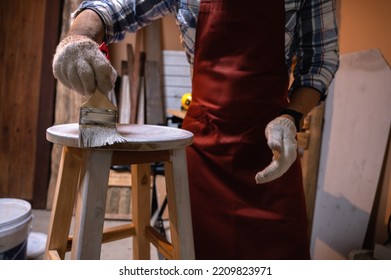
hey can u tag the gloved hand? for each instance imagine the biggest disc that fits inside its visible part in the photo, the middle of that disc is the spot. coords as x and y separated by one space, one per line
280 134
79 64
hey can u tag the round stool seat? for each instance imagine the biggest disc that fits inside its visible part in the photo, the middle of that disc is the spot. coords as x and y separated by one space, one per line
139 137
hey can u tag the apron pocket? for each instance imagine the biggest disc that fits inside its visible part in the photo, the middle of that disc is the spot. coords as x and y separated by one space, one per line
197 120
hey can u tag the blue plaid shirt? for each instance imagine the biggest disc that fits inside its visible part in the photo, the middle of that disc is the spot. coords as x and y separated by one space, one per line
311 33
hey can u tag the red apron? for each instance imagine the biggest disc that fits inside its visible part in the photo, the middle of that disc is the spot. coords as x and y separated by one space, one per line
240 83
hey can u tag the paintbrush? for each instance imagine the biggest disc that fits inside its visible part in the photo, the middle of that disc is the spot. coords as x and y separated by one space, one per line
97 124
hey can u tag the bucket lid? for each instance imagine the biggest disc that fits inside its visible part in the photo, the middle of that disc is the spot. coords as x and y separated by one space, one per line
13 211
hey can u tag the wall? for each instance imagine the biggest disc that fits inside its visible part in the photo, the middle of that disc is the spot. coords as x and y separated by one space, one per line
365 24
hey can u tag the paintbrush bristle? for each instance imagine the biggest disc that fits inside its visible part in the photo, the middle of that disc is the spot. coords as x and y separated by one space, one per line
97 123
98 136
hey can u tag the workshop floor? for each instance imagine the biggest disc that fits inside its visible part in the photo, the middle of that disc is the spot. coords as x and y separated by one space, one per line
117 250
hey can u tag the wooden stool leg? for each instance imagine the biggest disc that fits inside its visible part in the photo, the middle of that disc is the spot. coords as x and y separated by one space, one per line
91 204
63 203
179 206
141 213
64 200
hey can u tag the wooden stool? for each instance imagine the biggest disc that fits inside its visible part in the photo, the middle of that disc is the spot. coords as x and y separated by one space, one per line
83 177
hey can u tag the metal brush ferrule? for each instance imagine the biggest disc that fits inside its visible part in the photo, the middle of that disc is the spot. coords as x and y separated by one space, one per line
98 116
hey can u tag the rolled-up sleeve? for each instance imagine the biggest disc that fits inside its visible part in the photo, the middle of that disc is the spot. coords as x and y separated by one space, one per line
120 17
317 48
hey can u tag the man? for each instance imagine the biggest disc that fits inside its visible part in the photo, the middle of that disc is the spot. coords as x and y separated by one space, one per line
241 53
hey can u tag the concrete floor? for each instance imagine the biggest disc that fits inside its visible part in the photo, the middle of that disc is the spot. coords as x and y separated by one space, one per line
116 250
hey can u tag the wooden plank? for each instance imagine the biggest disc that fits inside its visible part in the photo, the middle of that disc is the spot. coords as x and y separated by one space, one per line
310 140
141 111
118 202
303 139
154 94
138 72
124 94
154 98
357 125
120 179
21 52
130 62
152 41
124 202
112 200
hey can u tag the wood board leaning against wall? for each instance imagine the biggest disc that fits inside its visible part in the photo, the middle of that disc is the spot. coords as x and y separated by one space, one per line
67 104
29 37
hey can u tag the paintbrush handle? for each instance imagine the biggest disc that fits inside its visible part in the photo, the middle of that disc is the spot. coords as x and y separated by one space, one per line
99 100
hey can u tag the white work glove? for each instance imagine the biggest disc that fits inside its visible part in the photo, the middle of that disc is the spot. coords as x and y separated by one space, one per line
281 139
80 65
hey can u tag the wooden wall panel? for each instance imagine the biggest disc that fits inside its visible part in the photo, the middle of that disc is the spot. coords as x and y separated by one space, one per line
28 36
21 54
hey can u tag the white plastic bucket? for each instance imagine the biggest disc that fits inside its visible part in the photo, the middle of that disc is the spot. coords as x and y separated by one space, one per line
15 225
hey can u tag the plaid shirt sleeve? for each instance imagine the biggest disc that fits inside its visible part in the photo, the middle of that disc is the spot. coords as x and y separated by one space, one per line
120 17
317 49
